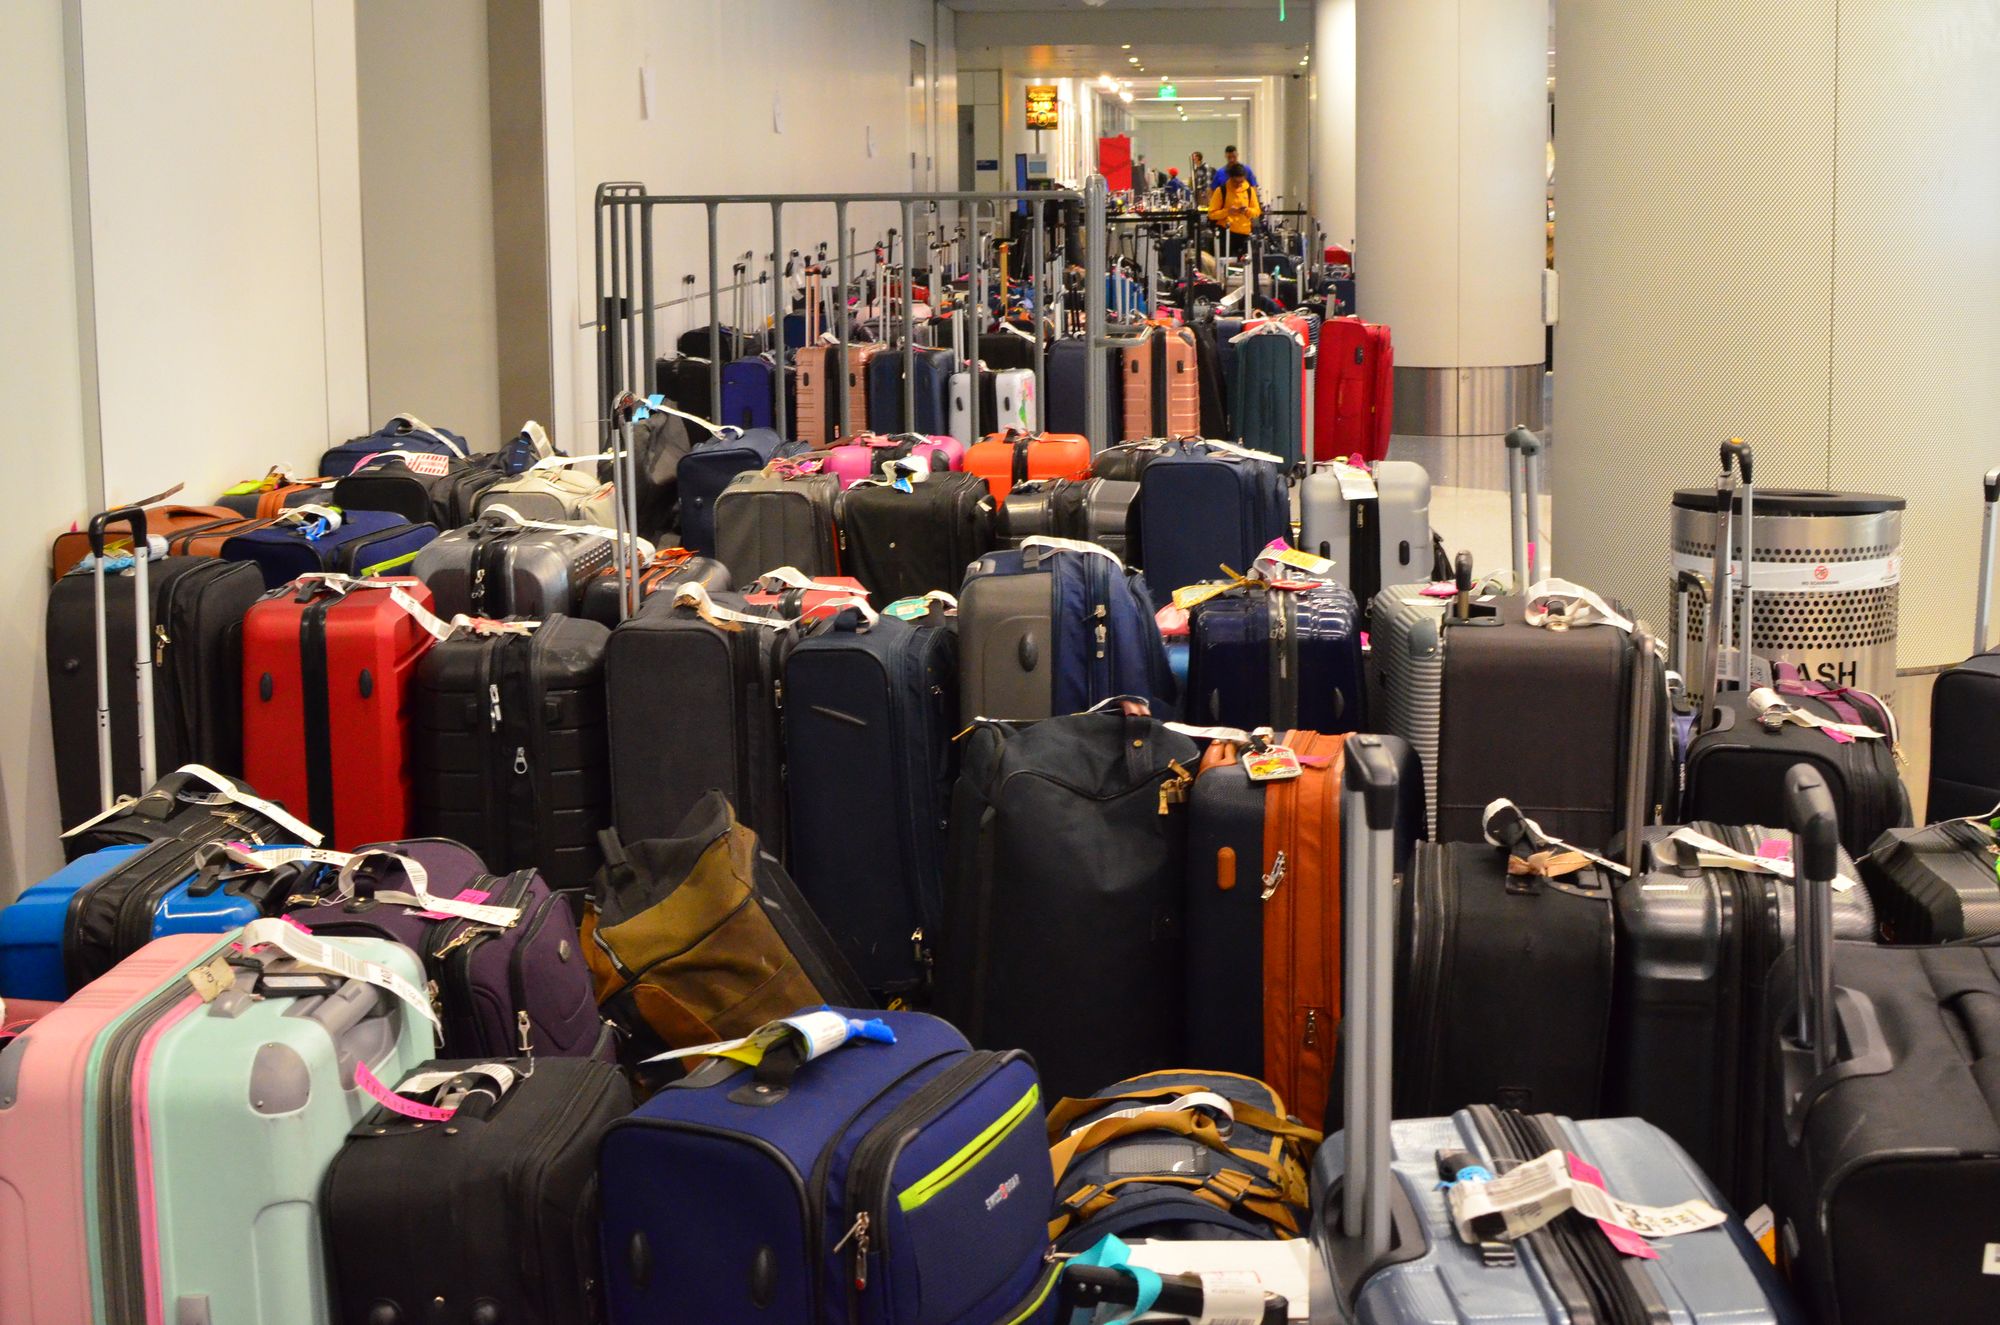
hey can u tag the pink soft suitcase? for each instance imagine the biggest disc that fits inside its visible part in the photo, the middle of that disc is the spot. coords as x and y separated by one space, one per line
857 459
45 1220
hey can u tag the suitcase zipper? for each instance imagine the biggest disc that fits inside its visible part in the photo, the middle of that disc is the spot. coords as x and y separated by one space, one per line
454 966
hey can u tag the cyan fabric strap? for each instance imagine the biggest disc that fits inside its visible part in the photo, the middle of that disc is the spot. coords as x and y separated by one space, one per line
1113 1254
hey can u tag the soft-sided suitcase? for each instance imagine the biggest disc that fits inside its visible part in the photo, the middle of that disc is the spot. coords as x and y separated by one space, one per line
1373 524
424 489
403 432
685 382
275 492
168 522
1269 654
708 469
1206 505
923 1154
1884 1109
196 618
869 456
1266 401
499 951
903 539
314 539
206 540
1009 458
873 708
551 492
1056 627
509 746
1965 731
1382 1219
1353 385
499 567
513 1176
1161 386
808 599
1065 409
1006 348
1935 884
778 517
691 686
670 565
746 394
327 672
1064 907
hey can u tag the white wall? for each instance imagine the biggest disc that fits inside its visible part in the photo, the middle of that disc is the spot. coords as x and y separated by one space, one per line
427 214
184 246
1168 142
1333 118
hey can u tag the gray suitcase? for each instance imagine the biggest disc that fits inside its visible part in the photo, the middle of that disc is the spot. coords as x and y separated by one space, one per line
1388 1250
495 568
1405 671
1006 625
763 522
1096 510
1376 530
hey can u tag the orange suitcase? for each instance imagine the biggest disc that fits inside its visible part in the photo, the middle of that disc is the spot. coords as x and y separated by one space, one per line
813 410
1004 459
162 521
857 388
1162 386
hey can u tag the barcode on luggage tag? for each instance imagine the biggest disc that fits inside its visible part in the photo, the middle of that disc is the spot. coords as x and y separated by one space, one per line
1230 1297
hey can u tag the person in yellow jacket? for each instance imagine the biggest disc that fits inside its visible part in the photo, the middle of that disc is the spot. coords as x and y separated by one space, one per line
1233 206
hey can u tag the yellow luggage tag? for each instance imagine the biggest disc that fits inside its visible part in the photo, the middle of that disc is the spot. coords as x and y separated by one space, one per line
1266 760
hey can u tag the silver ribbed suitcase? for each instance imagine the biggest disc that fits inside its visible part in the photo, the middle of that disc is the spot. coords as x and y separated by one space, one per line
494 568
1405 675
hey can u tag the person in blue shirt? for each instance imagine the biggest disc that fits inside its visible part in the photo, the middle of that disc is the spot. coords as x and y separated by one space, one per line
1230 159
1177 192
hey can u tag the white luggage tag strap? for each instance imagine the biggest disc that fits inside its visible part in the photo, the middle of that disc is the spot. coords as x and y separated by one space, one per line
507 512
903 474
224 791
433 625
692 593
791 577
417 462
347 862
538 439
1773 711
563 461
306 514
309 950
411 423
1270 327
651 404
1279 557
1231 448
1534 1192
1188 1103
1542 840
1560 605
1056 544
1356 483
816 1034
399 1100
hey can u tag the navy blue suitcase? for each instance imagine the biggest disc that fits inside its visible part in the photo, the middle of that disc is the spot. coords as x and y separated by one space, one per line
934 368
706 470
1280 658
404 432
896 1184
366 543
870 713
746 393
1063 410
1203 507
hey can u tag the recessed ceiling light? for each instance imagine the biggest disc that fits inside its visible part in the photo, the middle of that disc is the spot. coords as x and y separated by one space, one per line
1131 59
1125 97
1126 47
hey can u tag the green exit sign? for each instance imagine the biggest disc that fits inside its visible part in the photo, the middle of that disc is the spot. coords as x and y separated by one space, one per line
1168 92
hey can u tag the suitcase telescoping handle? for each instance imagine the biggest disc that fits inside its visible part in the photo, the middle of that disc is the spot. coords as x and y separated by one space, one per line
1986 523
1735 480
1815 863
1368 803
1648 690
1524 451
142 649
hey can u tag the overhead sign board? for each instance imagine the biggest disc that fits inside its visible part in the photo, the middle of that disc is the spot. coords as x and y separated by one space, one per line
1042 108
1168 92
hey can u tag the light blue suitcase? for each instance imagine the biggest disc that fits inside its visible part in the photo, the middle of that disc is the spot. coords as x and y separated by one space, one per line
1389 1254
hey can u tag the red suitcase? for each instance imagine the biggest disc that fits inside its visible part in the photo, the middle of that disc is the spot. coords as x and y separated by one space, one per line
327 672
1352 407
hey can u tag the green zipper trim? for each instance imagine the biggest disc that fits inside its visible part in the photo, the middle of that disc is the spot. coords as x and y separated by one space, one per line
1034 1305
389 565
945 1174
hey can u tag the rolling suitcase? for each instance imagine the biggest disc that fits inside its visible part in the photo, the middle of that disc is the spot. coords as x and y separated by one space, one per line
971 404
933 368
669 565
1934 884
1276 654
1965 735
869 758
1883 1119
813 401
509 746
424 489
1161 386
691 687
500 566
1206 505
1266 401
746 394
926 1153
808 599
869 456
1005 459
778 517
1014 403
903 539
327 670
169 522
309 540
709 468
1405 663
1353 390
858 358
550 492
403 432
1383 1225
1373 524
206 540
1056 627
684 380
514 1177
272 493
1064 907
1065 406
1007 348
1094 510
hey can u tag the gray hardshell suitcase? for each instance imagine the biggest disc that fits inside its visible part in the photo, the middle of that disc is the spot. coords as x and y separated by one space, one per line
763 521
1405 671
495 568
1374 528
1388 1250
1006 623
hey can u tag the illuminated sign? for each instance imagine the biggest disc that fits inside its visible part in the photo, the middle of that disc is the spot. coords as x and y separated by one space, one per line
1169 92
1042 106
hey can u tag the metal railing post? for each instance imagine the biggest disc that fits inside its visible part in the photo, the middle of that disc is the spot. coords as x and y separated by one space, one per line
779 292
844 387
1096 404
1037 243
909 320
714 314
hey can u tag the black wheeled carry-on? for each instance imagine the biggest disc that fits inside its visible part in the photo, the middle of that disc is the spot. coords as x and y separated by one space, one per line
1937 883
1965 703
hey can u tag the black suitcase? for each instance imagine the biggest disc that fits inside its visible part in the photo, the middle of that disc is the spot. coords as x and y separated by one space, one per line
1096 510
1214 391
691 688
488 1216
871 712
1965 703
1884 1112
197 612
684 381
904 543
1936 884
1064 895
509 746
424 489
1006 349
659 442
1064 409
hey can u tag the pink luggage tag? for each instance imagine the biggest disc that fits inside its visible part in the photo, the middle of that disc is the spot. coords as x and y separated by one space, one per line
390 1100
1624 1239
469 895
1775 848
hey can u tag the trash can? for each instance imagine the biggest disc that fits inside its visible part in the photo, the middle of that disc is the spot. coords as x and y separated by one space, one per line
1826 577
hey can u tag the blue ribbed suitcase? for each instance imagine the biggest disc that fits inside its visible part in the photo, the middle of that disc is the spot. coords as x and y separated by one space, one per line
706 470
1203 506
746 393
897 1184
934 368
1282 658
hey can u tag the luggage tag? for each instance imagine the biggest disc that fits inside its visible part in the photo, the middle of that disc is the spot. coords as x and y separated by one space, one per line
310 950
1562 605
816 1033
1356 484
1774 712
1518 1202
1270 762
398 1101
1279 553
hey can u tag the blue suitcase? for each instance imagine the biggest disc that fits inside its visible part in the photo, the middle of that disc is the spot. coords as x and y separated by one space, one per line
934 368
1063 410
1203 506
1280 658
404 432
746 393
31 928
707 469
869 759
365 543
903 1184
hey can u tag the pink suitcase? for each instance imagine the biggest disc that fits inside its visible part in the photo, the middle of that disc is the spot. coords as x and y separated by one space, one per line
45 1224
857 459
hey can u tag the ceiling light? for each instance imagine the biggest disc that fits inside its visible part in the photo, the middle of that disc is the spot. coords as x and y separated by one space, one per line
1126 47
1125 97
1105 81
1131 59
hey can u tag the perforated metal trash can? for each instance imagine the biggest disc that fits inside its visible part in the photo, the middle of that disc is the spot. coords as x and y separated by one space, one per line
1826 574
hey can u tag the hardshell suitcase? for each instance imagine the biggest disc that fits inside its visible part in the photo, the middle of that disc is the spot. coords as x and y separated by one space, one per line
1014 403
496 567
1206 505
327 672
904 539
1161 386
869 759
1266 402
708 469
1373 524
1095 510
1009 458
925 1154
509 746
1405 663
1965 734
813 399
1934 884
858 357
315 539
403 432
670 565
1276 656
1064 906
1383 1226
772 518
514 1177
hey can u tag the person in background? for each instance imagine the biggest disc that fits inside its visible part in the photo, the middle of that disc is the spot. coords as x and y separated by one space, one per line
1200 176
1234 207
1231 159
1177 191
